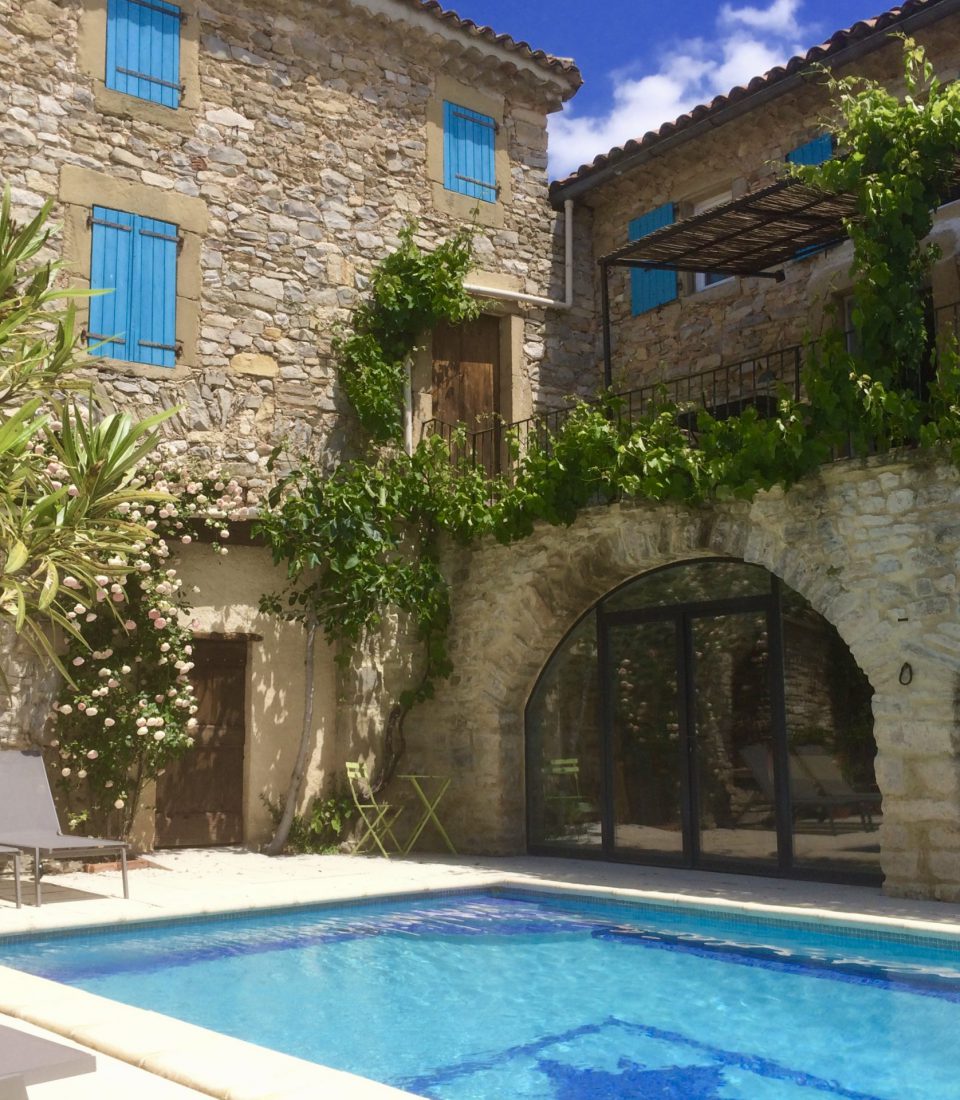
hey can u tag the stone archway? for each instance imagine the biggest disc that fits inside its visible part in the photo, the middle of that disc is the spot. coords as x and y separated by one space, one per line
705 716
873 548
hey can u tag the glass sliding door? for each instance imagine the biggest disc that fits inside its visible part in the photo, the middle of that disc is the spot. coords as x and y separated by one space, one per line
647 744
733 736
565 748
704 715
836 808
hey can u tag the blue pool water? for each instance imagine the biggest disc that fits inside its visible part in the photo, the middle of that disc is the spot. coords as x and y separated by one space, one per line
494 997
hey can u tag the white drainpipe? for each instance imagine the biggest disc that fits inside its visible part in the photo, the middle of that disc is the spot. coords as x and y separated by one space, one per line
534 299
408 409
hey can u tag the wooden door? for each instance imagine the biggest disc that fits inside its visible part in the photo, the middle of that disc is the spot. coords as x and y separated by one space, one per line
466 383
200 796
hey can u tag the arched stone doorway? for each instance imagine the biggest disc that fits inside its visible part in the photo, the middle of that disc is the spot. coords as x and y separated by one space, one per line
705 715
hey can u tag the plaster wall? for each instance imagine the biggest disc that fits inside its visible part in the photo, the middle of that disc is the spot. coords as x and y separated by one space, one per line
227 604
874 546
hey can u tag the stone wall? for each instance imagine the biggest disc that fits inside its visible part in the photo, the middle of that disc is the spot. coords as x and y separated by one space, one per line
27 687
306 139
745 317
874 547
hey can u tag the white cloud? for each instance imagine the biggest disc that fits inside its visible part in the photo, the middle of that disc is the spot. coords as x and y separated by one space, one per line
780 18
748 41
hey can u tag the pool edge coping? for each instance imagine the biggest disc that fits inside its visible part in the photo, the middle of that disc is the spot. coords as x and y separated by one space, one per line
221 1067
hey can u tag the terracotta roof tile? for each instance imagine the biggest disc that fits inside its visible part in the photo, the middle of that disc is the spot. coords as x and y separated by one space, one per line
838 41
564 66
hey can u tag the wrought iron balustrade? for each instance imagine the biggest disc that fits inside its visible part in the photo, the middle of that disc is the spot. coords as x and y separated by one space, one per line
756 382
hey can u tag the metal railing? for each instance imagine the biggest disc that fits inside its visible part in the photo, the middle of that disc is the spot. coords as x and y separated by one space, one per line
725 391
757 382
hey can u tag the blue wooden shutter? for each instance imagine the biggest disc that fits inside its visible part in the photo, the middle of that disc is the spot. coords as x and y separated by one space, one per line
469 153
111 261
135 258
654 287
154 311
143 50
812 152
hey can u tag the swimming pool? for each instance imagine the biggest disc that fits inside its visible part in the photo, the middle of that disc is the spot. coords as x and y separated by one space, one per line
517 994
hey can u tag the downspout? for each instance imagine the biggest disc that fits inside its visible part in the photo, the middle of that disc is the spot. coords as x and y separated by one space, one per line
408 408
535 299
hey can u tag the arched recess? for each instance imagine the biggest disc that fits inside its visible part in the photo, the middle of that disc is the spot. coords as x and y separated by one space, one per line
705 715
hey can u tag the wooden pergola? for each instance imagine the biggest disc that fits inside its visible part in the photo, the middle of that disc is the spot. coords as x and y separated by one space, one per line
747 236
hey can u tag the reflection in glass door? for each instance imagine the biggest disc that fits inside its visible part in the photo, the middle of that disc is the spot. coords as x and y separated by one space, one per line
706 715
733 737
693 707
647 750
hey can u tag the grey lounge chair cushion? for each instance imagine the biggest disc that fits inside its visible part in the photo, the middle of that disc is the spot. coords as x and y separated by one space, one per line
34 1060
28 816
13 1088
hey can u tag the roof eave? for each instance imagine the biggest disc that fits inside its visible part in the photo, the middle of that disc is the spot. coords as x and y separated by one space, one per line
591 178
432 19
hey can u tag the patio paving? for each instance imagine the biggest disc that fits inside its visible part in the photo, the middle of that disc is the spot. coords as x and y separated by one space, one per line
221 880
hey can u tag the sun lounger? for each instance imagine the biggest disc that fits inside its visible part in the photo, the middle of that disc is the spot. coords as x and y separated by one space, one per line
28 818
32 1060
13 854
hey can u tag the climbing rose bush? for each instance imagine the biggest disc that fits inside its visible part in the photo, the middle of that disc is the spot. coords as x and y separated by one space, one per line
131 709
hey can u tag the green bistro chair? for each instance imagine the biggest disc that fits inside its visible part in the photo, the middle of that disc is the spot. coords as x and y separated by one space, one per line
562 795
378 817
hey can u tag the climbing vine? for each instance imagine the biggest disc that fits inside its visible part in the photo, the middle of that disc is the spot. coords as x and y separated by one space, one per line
411 292
366 537
898 158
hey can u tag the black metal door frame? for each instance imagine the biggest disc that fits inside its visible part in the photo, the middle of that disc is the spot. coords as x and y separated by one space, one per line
683 616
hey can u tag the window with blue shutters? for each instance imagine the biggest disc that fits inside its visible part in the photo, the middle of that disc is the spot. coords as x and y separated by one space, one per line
143 50
469 153
651 287
812 152
134 259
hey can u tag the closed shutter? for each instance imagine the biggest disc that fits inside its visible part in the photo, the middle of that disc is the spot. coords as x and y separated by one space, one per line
812 152
469 153
136 259
653 287
155 249
143 50
111 259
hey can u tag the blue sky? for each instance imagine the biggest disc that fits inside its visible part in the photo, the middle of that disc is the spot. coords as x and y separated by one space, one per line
646 61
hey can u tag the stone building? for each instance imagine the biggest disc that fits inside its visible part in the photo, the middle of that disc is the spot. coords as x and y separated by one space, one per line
235 170
767 687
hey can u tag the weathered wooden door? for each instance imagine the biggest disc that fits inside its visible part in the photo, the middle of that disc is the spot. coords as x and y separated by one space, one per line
466 382
200 797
